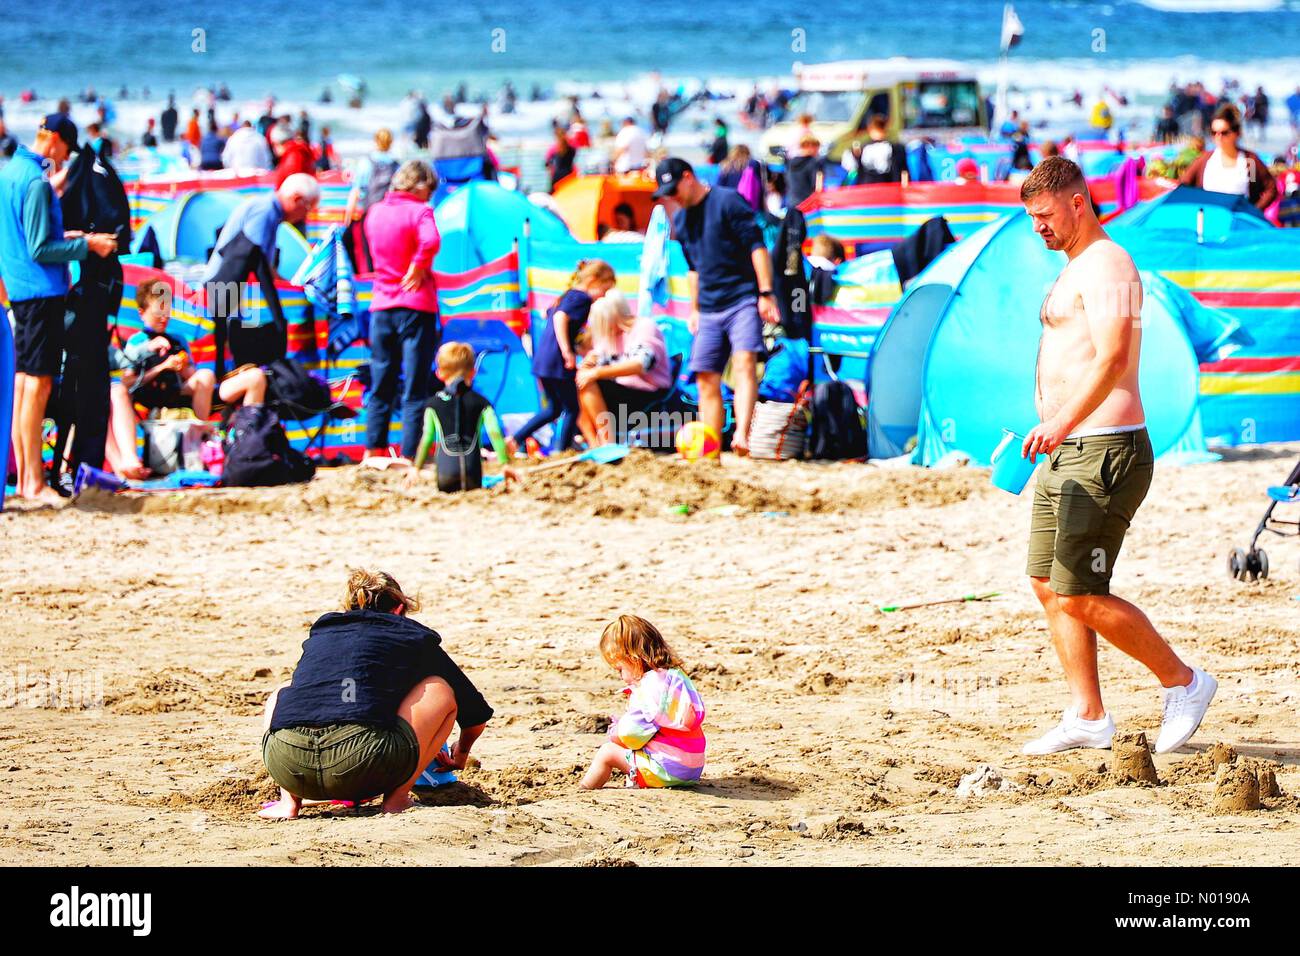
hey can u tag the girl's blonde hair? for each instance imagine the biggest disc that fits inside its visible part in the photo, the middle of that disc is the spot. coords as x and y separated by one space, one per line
376 591
737 159
609 318
637 641
592 270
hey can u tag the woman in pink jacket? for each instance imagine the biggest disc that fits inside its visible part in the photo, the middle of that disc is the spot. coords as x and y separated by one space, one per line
403 240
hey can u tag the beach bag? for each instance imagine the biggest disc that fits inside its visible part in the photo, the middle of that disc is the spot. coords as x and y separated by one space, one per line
258 452
785 371
779 430
291 384
838 432
168 443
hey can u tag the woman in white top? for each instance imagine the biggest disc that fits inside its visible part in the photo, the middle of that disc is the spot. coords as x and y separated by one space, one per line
1229 168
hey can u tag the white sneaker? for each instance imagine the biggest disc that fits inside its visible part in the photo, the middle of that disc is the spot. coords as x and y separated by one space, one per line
1073 732
1184 708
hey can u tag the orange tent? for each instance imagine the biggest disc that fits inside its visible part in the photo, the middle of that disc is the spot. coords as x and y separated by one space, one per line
586 202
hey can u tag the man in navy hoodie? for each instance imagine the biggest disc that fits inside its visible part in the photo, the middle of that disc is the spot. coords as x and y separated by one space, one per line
34 253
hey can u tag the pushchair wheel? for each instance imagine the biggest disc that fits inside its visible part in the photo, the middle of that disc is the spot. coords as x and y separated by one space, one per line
1237 564
1259 563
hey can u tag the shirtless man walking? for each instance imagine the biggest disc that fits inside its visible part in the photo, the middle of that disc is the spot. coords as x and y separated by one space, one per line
1098 468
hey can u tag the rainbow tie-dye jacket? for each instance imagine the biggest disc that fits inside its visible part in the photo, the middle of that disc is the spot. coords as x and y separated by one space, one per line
663 730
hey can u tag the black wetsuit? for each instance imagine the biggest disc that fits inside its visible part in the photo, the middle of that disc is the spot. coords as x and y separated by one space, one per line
454 418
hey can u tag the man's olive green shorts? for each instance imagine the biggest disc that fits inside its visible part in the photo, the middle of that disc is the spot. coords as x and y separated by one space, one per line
341 761
1087 493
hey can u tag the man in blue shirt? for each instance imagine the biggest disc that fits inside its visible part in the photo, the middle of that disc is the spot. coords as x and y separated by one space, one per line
247 245
34 253
730 285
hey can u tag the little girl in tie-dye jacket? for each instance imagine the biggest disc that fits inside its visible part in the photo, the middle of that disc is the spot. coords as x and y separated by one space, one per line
659 742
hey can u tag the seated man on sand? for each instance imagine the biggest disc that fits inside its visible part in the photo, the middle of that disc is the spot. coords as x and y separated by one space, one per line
346 732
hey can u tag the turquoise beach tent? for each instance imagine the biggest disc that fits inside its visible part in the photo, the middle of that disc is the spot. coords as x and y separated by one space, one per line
898 353
1219 214
187 229
480 222
955 363
1251 275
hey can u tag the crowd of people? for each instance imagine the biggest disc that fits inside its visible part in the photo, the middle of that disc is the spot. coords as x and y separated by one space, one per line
62 329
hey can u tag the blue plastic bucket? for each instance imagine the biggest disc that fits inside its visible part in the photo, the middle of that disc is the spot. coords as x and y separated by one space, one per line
1011 470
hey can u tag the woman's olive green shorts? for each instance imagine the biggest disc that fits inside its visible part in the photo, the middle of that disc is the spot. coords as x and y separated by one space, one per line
342 761
1088 491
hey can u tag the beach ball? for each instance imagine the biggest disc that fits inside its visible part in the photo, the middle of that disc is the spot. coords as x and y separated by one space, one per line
696 440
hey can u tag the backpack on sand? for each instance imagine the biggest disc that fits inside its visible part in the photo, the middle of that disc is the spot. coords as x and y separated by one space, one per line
258 453
838 432
288 382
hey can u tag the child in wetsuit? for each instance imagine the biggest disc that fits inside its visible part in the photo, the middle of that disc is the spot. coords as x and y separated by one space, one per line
454 421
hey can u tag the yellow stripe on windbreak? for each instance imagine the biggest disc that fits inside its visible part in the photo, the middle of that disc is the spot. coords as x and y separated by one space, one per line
1251 383
1276 280
511 287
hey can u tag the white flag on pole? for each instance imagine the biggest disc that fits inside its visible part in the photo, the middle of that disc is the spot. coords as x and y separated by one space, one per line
1012 28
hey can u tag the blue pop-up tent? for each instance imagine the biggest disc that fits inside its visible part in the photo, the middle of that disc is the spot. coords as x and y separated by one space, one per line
956 362
1209 215
481 221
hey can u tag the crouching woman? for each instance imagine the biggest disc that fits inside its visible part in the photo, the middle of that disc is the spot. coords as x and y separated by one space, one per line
370 705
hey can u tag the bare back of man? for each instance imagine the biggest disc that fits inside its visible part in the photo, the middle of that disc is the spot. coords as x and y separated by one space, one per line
1098 468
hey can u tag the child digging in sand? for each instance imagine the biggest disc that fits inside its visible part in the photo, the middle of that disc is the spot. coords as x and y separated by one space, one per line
659 742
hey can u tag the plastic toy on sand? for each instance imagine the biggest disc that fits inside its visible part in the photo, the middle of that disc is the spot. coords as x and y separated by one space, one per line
696 440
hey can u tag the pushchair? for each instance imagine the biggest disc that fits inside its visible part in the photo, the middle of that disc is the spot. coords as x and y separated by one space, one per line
1247 564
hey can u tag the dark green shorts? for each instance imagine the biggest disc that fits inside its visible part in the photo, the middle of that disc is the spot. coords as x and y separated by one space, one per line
1087 493
341 761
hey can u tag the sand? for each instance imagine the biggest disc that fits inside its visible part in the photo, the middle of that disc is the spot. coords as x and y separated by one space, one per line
838 734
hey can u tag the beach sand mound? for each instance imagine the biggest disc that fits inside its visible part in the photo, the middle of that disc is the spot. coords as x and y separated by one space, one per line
1236 788
234 796
1203 767
1131 759
643 484
525 783
646 484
